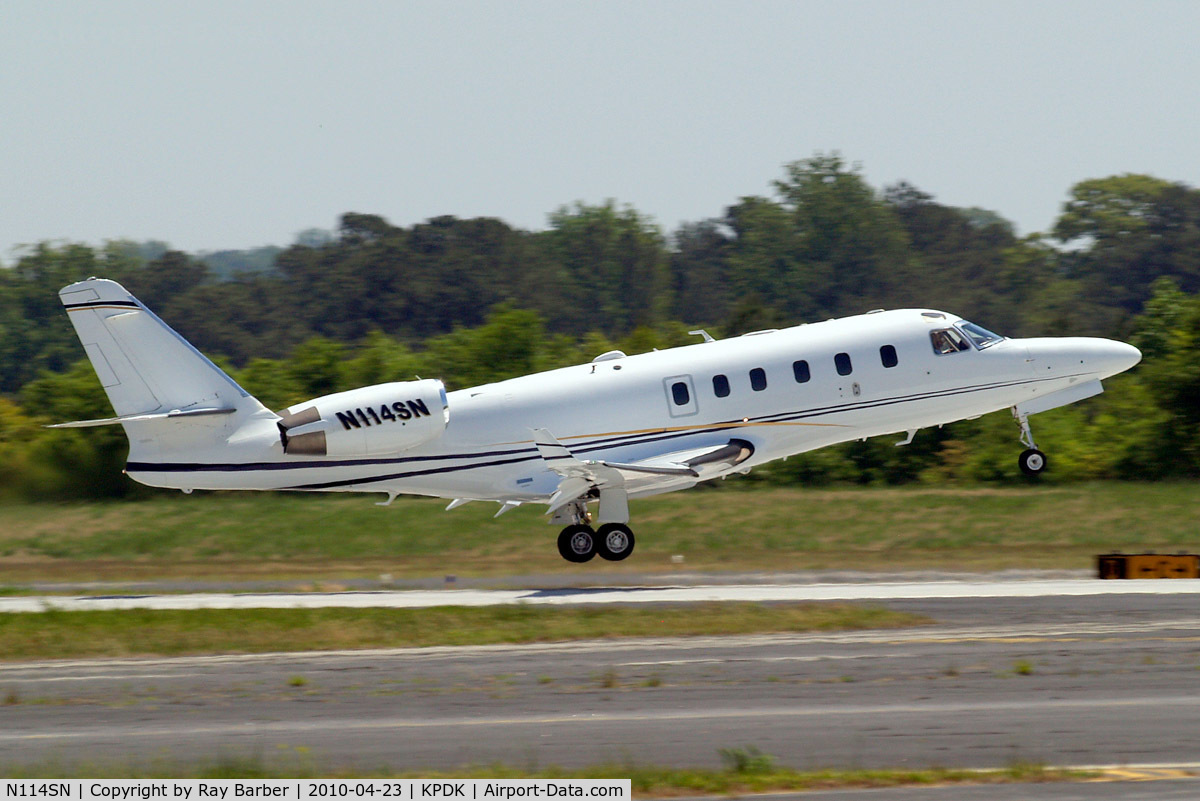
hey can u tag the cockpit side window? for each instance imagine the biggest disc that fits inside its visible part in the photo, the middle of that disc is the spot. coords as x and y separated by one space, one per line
947 340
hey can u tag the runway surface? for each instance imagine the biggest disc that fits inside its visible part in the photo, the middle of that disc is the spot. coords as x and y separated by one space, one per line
1111 678
765 593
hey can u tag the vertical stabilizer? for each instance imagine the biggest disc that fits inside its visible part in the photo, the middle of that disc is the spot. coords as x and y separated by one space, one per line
147 369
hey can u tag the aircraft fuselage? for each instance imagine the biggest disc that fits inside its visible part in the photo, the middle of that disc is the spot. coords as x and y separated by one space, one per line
785 392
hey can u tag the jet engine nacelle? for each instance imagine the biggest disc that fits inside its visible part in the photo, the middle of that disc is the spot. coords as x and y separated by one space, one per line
371 421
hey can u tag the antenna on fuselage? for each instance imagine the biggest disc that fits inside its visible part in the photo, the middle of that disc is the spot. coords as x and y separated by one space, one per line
700 332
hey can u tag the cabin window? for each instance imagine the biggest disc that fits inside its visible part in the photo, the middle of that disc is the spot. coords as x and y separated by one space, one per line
842 362
887 355
679 392
720 386
947 340
758 379
800 370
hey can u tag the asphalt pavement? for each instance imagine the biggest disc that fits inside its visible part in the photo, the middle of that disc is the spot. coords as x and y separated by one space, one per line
1066 680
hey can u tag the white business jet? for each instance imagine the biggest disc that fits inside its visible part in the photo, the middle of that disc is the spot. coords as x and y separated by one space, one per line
617 428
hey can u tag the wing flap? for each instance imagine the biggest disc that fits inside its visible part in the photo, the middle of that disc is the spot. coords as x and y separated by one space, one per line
580 476
569 491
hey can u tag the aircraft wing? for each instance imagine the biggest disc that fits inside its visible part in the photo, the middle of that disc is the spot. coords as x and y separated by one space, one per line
699 460
581 476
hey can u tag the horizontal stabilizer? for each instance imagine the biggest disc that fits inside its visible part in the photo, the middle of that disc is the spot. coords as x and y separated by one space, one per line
175 414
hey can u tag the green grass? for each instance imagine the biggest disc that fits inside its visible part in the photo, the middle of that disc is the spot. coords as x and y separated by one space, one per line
56 634
264 535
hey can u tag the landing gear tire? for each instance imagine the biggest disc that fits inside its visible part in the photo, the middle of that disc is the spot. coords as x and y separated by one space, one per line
1032 462
614 541
577 543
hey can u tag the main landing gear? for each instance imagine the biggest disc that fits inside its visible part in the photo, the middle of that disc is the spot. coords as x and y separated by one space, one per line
579 543
1031 461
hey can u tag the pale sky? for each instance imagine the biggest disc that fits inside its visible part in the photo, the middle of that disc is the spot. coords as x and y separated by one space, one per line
232 124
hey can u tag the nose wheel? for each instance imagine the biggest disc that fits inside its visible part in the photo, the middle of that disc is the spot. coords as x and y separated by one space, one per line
1031 461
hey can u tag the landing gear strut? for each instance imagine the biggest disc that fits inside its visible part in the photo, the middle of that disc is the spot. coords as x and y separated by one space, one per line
1031 461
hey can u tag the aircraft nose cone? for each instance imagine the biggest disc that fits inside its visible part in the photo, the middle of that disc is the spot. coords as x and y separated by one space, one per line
1117 357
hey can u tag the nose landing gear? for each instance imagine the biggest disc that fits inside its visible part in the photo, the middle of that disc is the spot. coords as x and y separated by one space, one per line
1031 461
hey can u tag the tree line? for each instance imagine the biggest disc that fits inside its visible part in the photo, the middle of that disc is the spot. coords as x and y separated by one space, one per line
475 300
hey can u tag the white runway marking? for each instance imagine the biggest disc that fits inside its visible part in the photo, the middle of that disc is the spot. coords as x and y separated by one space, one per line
765 593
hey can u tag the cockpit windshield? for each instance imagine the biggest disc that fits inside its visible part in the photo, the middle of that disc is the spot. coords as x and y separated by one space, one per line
978 334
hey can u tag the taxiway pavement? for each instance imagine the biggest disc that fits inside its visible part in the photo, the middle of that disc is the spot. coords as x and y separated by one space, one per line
1111 678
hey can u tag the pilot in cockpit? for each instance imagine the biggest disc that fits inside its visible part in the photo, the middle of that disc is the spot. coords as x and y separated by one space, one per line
942 343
